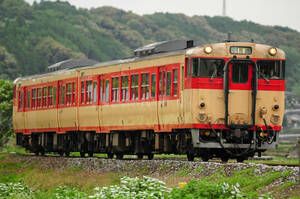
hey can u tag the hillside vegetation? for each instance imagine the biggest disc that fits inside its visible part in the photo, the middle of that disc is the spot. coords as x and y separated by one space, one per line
33 37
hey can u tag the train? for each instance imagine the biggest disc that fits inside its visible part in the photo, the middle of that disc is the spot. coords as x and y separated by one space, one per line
219 100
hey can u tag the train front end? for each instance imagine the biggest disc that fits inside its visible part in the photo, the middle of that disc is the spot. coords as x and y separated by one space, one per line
236 90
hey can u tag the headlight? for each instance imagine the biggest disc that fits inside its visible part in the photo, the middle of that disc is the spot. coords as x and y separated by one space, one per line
272 51
208 49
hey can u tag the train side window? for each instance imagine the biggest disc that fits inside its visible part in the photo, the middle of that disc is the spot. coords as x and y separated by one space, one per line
54 93
28 98
153 85
145 86
88 96
115 89
95 87
63 95
271 69
44 97
161 83
39 97
50 96
82 93
73 92
168 83
33 98
175 82
69 93
134 87
107 91
188 67
21 100
124 89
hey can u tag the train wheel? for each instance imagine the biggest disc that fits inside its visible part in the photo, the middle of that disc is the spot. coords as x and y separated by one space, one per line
224 159
110 155
82 154
91 154
190 157
119 156
240 159
205 159
61 153
67 153
140 156
150 156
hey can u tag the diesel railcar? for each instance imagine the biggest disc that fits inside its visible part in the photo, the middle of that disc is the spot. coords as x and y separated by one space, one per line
222 100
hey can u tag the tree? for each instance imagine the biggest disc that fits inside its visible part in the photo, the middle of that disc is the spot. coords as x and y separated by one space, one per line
6 103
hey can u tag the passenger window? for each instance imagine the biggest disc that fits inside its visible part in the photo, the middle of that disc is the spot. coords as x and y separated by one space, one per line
207 67
88 96
82 93
39 98
95 87
134 87
63 94
73 93
162 82
124 91
33 98
45 97
239 73
175 82
145 86
50 96
107 91
20 100
54 93
168 83
28 98
153 85
69 93
115 89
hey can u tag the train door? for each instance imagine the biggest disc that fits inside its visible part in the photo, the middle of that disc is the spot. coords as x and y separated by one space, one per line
240 94
162 102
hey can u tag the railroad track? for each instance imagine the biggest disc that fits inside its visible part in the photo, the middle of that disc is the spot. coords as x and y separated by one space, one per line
164 158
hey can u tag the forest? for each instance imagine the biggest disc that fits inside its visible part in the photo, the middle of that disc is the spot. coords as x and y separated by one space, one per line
33 37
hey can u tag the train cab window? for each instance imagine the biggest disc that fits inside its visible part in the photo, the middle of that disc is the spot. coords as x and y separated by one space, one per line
145 86
21 100
124 89
134 87
28 98
271 69
54 94
39 97
33 98
95 87
115 89
107 91
50 96
153 85
207 67
45 97
88 95
168 83
175 82
82 93
73 92
69 94
239 73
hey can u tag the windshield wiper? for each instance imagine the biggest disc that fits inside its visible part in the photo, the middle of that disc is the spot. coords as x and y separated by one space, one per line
214 74
264 77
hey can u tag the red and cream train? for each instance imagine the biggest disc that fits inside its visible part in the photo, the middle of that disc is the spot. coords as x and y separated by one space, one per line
221 100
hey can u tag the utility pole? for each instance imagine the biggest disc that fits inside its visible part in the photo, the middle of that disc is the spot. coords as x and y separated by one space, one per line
224 8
